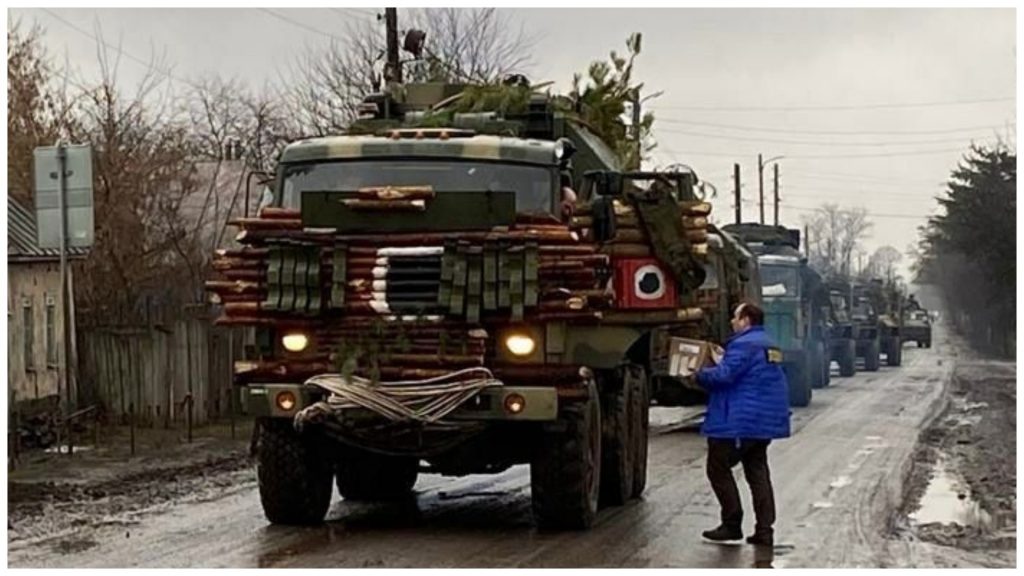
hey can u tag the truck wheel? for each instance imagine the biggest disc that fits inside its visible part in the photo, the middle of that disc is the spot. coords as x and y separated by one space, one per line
872 356
848 359
927 343
641 427
894 355
294 474
374 477
818 366
566 470
799 380
617 444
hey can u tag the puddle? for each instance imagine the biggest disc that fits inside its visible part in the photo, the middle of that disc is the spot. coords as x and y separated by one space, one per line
821 505
947 500
63 449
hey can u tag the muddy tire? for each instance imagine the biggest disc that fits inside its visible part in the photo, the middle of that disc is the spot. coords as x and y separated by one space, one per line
364 476
894 354
819 366
848 359
873 356
565 472
798 377
617 445
641 424
294 474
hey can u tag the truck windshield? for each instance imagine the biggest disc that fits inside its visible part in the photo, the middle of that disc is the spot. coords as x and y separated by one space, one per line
534 186
780 280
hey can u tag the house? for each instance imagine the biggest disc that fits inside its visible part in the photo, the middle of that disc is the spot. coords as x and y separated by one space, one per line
35 329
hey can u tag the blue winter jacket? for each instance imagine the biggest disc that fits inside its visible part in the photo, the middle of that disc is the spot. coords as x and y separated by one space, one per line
748 396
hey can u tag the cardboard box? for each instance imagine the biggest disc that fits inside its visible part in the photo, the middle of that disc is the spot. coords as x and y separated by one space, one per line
687 356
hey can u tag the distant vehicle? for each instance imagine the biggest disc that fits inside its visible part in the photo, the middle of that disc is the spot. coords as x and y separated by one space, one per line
917 327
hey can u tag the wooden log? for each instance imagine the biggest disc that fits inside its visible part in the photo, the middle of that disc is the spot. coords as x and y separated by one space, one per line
392 193
243 274
698 208
627 250
244 253
577 250
242 308
563 265
244 321
266 224
279 213
695 222
237 287
581 316
697 236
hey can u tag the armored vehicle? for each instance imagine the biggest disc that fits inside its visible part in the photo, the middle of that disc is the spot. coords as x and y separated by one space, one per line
917 327
430 295
889 301
794 304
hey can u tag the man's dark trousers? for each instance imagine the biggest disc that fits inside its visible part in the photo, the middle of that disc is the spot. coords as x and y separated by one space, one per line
723 455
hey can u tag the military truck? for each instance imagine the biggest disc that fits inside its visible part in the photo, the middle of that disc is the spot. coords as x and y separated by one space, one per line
842 343
917 327
794 303
428 296
866 327
888 300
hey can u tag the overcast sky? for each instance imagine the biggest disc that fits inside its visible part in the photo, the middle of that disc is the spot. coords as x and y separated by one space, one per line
869 107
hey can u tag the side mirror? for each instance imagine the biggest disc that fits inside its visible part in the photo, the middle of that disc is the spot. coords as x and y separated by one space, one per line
603 218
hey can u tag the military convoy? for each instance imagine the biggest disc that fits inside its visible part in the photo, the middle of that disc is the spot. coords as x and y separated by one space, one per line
431 296
458 291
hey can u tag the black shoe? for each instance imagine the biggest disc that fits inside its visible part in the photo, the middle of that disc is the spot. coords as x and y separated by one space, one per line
761 539
724 534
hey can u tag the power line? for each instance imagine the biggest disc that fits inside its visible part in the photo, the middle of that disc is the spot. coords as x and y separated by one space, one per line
829 156
836 108
661 119
306 27
806 142
119 50
859 179
360 11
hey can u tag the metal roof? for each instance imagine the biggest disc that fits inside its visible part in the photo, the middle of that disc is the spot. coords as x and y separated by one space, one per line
22 241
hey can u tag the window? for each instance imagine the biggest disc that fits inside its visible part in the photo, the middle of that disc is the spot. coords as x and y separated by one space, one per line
780 281
28 327
534 186
51 333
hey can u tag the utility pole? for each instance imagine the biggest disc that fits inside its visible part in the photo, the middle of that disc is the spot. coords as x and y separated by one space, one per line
776 167
760 185
807 242
394 67
739 199
62 179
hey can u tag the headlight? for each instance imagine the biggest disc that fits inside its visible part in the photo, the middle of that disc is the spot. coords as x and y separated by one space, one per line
285 400
295 342
520 344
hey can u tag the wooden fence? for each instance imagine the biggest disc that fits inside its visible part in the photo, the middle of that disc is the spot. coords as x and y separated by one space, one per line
152 371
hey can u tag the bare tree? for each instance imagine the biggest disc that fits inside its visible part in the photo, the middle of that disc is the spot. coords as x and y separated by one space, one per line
478 45
837 233
883 261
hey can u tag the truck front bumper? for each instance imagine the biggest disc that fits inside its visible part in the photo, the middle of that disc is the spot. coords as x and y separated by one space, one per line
538 403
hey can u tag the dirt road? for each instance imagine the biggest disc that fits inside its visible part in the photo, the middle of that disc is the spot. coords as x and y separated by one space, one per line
838 482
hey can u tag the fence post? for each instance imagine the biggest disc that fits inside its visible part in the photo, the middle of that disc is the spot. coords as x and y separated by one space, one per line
131 419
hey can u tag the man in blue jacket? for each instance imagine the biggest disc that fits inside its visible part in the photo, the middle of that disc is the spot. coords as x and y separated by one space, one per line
748 407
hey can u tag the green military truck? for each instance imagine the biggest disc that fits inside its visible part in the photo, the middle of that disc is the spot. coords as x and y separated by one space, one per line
888 300
795 314
429 296
842 343
917 327
866 323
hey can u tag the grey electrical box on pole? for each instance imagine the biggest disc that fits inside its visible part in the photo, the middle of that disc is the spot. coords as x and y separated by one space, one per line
78 182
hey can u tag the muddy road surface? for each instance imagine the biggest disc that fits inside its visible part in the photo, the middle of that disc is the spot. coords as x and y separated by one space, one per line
838 483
